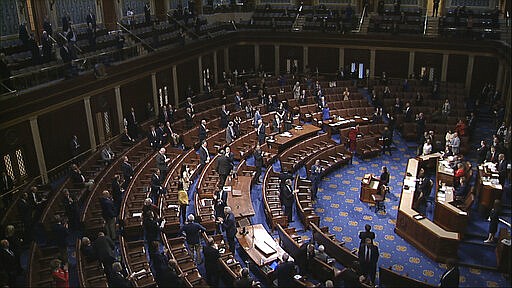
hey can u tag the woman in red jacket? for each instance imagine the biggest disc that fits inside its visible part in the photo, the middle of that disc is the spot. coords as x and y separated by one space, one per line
60 274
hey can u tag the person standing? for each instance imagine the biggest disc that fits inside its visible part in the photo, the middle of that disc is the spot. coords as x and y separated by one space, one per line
183 201
285 272
286 197
211 262
60 273
162 162
435 10
260 131
450 278
258 162
224 167
316 175
109 214
204 154
156 186
368 257
494 219
229 225
192 231
502 168
367 233
127 169
147 13
203 131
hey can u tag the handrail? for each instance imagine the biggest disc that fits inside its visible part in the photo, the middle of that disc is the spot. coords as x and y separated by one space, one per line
169 16
74 45
7 88
53 39
136 37
425 25
361 20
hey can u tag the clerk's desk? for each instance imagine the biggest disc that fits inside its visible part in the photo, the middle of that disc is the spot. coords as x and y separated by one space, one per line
432 239
488 188
369 187
261 248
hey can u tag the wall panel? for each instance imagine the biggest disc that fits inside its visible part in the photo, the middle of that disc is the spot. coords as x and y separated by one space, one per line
241 57
188 76
485 70
456 71
394 63
429 60
326 59
290 52
137 94
267 58
20 137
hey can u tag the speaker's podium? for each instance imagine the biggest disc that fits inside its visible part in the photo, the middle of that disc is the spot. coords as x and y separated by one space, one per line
369 187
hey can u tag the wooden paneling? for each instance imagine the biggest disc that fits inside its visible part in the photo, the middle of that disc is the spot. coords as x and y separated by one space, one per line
241 57
220 64
188 75
357 56
290 52
137 94
485 70
20 137
105 102
456 68
109 13
70 120
267 58
429 60
326 59
394 63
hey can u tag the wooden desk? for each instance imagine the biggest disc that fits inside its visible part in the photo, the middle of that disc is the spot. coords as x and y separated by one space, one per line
282 142
445 174
369 185
487 187
241 204
447 215
503 251
430 238
390 278
261 237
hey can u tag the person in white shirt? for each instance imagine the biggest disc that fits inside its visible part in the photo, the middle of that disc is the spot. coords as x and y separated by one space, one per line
427 147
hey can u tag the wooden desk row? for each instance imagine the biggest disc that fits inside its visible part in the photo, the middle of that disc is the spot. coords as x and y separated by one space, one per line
294 157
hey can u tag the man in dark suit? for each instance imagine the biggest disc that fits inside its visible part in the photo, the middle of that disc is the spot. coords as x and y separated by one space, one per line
74 146
258 162
316 172
224 167
104 250
192 231
204 154
127 169
6 185
450 278
108 213
153 139
368 257
492 155
286 197
8 262
156 185
203 131
147 13
384 177
25 211
285 272
116 277
229 225
91 20
224 117
260 131
502 169
211 263
66 21
189 119
132 124
151 227
367 233
408 115
162 162
47 26
117 192
245 279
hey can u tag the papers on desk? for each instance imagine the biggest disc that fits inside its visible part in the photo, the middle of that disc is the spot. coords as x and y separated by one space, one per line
172 206
207 202
237 192
162 224
418 217
299 128
227 188
506 242
286 134
137 214
265 248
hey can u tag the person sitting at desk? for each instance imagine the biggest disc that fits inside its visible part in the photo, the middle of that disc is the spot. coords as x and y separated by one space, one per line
321 255
460 172
462 189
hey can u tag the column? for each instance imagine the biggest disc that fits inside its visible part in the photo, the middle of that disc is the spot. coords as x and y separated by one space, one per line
34 127
276 60
175 86
226 60
99 12
200 67
256 57
444 68
90 124
469 74
119 106
215 72
411 64
305 57
341 58
372 63
155 94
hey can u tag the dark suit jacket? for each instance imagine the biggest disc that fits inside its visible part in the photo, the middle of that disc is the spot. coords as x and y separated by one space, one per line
127 171
224 165
261 132
160 162
154 140
91 18
60 235
450 278
156 184
211 259
77 177
229 225
117 195
285 272
202 133
159 261
152 229
107 208
118 280
104 249
202 155
286 195
25 210
384 178
363 235
192 231
8 261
